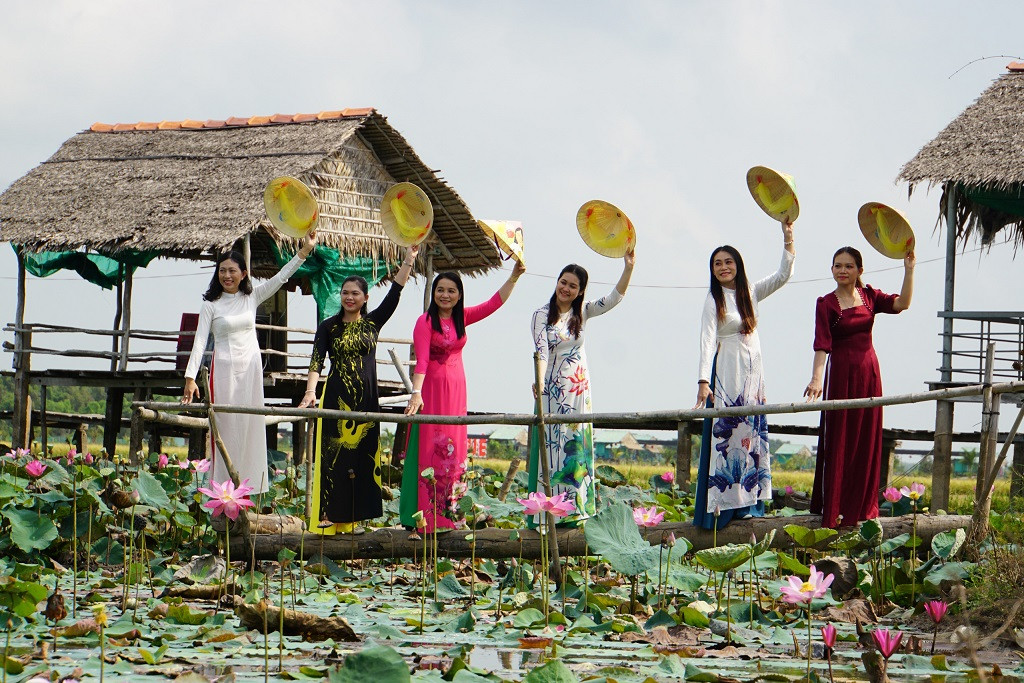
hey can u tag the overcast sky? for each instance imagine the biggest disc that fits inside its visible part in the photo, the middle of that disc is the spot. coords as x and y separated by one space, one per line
531 108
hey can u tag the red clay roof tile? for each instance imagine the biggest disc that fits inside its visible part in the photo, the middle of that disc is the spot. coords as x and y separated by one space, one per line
191 124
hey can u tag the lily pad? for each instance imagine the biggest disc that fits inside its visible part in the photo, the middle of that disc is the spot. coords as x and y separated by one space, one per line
613 534
808 538
372 664
29 530
724 557
948 543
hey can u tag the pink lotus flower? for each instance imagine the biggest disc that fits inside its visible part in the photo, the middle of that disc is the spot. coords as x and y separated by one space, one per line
799 591
668 477
936 609
225 498
828 635
886 641
184 464
162 461
914 492
892 494
789 490
648 516
87 458
201 465
35 468
537 502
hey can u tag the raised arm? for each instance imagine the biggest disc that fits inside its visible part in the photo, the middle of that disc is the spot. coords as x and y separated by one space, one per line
772 283
410 258
195 359
902 302
538 328
506 289
265 290
592 309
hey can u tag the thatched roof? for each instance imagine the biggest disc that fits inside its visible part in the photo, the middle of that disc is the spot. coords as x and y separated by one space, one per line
981 152
189 187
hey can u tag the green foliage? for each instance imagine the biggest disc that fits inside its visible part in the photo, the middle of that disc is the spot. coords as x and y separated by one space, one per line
381 664
613 534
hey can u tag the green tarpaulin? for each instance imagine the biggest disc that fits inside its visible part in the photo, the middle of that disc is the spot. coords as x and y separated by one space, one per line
326 271
1010 202
105 271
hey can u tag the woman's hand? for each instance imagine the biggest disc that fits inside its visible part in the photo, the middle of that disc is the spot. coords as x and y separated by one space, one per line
411 253
308 244
813 390
703 391
415 404
517 270
787 231
308 399
910 260
191 390
630 260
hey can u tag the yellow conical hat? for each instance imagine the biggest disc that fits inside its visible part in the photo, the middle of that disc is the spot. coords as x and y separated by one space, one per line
291 206
508 238
886 229
605 229
774 192
406 214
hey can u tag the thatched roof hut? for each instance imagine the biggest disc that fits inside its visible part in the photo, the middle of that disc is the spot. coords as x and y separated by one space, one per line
185 188
979 157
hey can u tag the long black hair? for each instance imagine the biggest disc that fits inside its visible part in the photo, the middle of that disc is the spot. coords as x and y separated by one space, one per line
458 311
216 289
361 283
743 303
857 258
576 317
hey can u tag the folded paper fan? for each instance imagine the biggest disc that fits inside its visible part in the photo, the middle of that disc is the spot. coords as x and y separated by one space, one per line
606 229
290 206
406 214
774 192
886 229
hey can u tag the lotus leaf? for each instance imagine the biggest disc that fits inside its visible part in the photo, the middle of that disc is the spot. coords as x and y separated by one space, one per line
724 557
613 534
948 543
808 538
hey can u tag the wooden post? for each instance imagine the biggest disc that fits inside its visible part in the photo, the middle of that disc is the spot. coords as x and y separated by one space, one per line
156 442
684 449
43 435
126 320
545 469
942 458
1017 471
136 433
112 419
298 442
196 444
82 438
22 364
272 437
310 431
115 340
888 459
989 435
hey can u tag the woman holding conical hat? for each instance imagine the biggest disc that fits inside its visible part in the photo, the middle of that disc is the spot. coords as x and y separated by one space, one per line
439 388
229 313
848 467
558 335
734 473
346 469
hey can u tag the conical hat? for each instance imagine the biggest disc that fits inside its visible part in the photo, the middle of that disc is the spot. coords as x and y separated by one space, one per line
886 229
605 229
774 192
406 214
507 236
291 206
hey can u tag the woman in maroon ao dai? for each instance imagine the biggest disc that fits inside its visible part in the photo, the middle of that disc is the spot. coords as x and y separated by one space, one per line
845 366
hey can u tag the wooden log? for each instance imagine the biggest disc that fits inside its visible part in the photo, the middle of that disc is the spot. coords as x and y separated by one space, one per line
263 618
504 543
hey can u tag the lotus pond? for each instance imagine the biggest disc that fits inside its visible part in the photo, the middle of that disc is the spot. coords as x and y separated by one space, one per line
115 572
